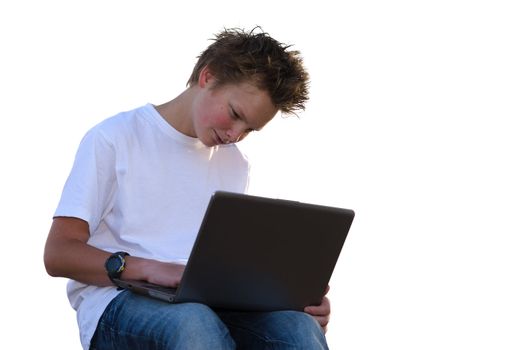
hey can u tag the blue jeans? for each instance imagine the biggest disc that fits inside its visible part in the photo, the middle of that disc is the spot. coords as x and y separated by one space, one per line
133 321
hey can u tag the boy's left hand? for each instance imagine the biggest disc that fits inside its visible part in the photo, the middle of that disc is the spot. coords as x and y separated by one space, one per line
321 312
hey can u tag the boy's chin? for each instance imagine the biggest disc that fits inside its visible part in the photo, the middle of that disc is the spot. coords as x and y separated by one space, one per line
208 142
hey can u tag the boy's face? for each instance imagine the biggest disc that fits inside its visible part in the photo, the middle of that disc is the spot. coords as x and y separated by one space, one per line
228 113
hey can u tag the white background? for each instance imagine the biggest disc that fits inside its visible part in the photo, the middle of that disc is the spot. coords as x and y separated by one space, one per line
416 121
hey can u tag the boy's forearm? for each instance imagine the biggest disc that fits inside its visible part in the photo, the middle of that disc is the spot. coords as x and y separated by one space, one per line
77 260
67 254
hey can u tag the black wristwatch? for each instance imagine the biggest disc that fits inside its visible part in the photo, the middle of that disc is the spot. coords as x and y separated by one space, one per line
115 264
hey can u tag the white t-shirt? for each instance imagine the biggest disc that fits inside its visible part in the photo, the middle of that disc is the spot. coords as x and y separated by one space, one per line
143 188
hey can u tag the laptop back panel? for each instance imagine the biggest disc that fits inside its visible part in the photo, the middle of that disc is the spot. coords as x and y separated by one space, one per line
255 253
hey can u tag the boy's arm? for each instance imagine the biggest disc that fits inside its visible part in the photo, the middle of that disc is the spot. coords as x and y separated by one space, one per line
67 254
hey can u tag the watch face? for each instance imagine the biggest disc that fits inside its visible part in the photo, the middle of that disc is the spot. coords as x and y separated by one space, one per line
113 264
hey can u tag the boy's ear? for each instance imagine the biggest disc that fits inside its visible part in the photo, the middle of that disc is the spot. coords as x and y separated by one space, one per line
206 77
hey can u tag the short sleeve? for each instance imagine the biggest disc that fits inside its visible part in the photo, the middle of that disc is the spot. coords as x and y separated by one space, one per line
90 187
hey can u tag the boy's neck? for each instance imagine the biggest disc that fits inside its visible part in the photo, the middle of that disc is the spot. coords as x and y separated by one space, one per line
177 112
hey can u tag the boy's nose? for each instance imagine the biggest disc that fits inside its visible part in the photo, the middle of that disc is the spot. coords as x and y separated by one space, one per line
235 133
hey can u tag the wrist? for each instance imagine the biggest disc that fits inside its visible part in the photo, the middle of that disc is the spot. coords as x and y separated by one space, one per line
135 268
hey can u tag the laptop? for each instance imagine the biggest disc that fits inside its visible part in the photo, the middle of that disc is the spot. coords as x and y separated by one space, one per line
258 254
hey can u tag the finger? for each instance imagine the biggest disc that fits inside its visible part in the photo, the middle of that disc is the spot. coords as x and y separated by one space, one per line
318 313
326 290
322 320
319 310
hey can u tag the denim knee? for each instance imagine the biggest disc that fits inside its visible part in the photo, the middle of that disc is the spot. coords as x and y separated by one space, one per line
277 330
303 331
200 329
136 322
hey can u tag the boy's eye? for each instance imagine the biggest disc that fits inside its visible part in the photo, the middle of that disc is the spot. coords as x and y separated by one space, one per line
234 115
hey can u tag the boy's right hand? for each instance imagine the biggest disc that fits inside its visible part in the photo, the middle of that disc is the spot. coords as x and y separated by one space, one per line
153 271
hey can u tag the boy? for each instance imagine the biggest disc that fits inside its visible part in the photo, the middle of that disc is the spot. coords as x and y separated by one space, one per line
138 189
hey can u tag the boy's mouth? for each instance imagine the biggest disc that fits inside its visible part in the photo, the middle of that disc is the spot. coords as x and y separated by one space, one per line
218 139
